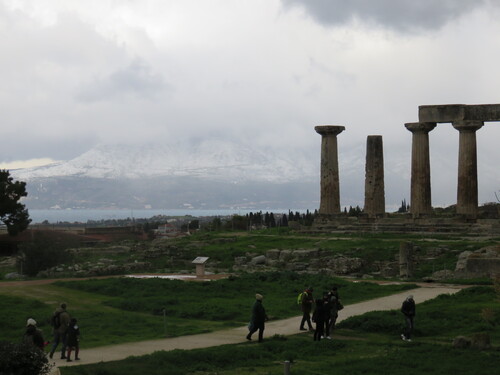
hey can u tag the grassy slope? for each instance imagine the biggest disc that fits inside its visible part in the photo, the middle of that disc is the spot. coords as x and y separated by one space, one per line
223 247
120 310
371 353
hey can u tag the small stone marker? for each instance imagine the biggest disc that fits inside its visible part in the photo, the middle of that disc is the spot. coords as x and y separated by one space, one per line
200 265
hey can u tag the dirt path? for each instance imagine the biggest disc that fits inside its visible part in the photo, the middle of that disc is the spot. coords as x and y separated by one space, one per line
237 335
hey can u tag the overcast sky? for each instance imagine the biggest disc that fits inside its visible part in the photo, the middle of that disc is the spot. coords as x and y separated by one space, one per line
80 73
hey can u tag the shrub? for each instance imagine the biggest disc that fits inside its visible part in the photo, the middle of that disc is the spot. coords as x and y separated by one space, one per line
21 359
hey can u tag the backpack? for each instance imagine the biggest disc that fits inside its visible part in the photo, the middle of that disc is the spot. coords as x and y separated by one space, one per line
55 321
300 297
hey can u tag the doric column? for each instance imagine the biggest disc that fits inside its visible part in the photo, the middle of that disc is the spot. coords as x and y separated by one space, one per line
420 168
467 202
374 177
330 191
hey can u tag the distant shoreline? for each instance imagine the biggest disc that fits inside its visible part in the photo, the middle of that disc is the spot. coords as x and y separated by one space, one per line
83 215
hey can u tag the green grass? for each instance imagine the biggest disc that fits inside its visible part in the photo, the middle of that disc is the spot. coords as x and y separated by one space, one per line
442 318
118 310
209 300
326 357
374 347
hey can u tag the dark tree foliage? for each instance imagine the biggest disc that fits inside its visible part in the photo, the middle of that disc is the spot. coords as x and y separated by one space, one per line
22 359
284 221
46 250
404 207
12 213
355 211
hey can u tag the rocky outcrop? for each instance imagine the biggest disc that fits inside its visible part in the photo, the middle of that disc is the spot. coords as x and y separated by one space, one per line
300 260
102 267
480 263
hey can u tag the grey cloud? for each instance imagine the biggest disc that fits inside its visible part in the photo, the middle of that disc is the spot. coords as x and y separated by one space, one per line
136 79
399 15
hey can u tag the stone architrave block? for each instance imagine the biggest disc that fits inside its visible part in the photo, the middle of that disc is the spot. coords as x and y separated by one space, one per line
459 112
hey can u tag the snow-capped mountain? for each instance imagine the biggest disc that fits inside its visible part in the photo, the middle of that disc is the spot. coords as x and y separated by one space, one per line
213 159
208 174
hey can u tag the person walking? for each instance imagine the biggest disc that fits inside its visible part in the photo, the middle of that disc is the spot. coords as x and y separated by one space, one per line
60 323
408 309
306 304
259 316
333 306
73 340
33 336
319 317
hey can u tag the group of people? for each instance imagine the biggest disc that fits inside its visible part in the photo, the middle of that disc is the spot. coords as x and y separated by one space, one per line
325 312
65 331
324 316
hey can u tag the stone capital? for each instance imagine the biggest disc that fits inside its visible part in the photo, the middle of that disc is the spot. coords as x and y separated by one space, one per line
467 125
420 127
329 129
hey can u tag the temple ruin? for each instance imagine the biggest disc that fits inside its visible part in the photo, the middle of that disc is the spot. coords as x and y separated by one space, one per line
467 119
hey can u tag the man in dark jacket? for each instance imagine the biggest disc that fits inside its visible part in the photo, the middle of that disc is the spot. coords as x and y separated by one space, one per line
306 306
408 309
258 318
60 321
33 336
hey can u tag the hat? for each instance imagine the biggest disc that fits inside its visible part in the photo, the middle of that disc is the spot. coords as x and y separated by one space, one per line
31 322
259 297
410 296
63 305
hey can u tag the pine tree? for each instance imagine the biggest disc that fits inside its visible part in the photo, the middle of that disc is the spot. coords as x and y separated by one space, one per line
13 213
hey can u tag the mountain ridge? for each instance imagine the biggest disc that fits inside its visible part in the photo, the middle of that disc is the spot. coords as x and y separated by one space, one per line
210 174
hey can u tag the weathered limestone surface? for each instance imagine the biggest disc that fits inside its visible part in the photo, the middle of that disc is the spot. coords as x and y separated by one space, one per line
374 177
330 190
459 112
420 203
467 190
480 263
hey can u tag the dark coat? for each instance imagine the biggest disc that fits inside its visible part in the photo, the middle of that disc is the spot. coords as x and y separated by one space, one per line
321 314
33 336
73 335
64 319
258 314
408 307
333 304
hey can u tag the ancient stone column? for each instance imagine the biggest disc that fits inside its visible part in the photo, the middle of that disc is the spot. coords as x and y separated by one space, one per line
420 203
374 177
330 190
467 201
